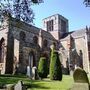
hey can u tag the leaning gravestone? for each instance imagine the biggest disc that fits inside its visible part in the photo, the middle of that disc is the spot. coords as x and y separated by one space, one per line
81 81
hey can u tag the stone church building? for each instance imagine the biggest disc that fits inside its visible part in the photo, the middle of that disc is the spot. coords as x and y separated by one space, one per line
22 44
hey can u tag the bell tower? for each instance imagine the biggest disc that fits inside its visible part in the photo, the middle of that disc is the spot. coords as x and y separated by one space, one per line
56 24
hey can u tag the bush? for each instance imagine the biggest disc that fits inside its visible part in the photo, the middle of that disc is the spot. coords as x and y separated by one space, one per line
43 68
80 76
55 66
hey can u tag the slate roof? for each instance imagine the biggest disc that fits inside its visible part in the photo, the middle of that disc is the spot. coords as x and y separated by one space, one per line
74 34
78 33
66 34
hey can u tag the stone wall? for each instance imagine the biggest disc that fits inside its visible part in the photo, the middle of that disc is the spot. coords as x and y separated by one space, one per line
80 44
4 34
22 41
79 52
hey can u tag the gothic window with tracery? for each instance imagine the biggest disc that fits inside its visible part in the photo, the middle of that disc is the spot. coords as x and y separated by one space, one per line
50 25
2 44
35 40
45 43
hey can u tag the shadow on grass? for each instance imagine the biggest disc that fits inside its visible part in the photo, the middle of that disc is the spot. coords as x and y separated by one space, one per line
17 76
35 84
12 79
8 79
38 86
45 80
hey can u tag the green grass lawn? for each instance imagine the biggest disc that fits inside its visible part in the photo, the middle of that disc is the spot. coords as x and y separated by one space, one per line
45 84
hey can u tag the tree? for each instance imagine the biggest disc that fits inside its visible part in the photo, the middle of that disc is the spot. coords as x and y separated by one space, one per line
43 68
20 9
87 3
55 66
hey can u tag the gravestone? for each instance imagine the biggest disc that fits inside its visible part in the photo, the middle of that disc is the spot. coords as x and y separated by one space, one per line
34 73
18 86
10 87
29 72
81 81
80 76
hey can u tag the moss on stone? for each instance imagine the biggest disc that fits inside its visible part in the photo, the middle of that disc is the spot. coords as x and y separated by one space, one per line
80 76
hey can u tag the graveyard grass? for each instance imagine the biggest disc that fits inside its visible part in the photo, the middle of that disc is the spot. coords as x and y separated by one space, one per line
45 84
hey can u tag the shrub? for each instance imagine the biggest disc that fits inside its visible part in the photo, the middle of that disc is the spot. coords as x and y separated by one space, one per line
80 76
43 68
55 66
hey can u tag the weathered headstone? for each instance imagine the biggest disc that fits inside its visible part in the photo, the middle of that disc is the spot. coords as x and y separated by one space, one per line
81 81
10 87
29 72
18 86
80 76
34 73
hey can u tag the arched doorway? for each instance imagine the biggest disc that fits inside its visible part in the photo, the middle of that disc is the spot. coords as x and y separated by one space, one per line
31 64
31 61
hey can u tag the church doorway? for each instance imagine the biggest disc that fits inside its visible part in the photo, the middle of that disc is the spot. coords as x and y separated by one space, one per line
30 60
31 64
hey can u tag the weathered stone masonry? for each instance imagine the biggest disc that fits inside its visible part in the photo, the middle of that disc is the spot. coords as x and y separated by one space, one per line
25 40
23 44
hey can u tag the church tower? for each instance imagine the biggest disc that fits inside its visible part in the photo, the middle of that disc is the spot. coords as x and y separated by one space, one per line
56 25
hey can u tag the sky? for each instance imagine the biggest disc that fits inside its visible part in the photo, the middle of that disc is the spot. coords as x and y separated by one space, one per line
74 10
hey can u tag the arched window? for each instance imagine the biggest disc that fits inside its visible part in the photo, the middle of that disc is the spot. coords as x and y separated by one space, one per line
35 40
45 43
2 43
22 35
